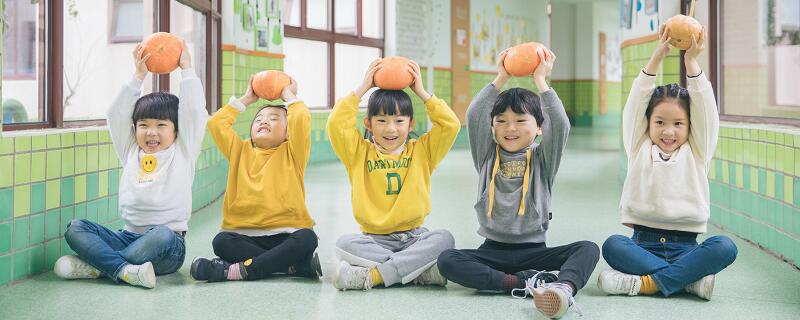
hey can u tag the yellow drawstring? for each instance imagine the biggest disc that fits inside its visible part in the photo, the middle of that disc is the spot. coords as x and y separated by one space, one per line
525 181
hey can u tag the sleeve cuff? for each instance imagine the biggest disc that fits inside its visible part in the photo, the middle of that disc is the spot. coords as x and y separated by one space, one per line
236 104
293 101
188 73
692 77
645 73
135 84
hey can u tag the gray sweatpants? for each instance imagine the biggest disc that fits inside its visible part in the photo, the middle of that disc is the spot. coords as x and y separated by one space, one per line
400 257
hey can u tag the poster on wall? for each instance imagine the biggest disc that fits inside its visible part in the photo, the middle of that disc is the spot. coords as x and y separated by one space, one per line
261 33
626 12
496 27
244 23
650 7
275 25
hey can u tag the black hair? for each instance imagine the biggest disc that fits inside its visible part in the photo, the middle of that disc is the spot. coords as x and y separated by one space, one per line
520 101
665 93
390 102
156 105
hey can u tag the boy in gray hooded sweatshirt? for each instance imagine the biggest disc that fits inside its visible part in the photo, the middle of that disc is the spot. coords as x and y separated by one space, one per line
516 179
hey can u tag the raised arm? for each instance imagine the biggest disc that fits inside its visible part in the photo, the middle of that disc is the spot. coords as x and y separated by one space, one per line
442 135
221 124
119 114
299 130
555 128
192 114
704 116
341 126
479 119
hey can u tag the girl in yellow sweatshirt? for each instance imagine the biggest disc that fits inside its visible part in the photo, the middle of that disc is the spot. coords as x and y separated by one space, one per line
266 228
390 178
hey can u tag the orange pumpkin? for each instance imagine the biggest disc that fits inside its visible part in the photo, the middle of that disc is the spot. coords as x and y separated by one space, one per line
165 52
393 74
522 59
269 84
681 28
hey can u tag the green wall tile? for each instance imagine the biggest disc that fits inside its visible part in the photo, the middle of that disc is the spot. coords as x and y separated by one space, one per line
67 162
6 145
65 249
21 232
80 138
53 164
5 237
22 144
80 188
36 228
21 265
5 269
80 210
739 175
770 184
68 139
53 194
52 251
80 160
38 166
6 171
91 137
22 200
52 224
103 154
779 186
22 168
796 196
113 181
37 259
102 184
38 142
103 136
91 159
37 197
6 203
66 215
67 191
91 186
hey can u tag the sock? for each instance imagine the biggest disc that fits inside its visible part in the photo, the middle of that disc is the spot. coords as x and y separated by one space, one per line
649 286
511 281
376 277
235 271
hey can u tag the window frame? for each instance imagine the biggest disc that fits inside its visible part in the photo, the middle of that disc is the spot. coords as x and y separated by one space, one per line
112 38
331 37
715 33
51 64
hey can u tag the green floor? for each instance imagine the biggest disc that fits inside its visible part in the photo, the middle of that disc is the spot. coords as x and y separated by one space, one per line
756 286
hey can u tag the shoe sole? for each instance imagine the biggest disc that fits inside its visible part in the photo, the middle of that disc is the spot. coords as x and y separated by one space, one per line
549 303
70 259
150 274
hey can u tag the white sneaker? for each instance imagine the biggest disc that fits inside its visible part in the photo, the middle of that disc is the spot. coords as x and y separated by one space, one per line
72 267
554 299
351 277
702 288
431 277
615 282
141 275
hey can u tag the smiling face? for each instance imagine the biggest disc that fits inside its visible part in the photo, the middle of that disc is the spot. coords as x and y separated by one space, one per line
269 127
389 131
154 135
668 126
515 131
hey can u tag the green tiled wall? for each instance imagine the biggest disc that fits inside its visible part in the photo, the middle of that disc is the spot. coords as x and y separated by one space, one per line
753 178
48 180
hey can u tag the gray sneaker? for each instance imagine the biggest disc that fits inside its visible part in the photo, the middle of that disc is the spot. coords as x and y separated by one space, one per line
615 282
142 275
702 288
351 277
72 267
430 277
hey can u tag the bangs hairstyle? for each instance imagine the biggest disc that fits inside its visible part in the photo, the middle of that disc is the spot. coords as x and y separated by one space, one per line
668 93
156 105
520 101
390 103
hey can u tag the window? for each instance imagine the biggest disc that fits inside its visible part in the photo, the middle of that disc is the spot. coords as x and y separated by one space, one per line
342 36
760 60
127 18
88 56
23 66
89 83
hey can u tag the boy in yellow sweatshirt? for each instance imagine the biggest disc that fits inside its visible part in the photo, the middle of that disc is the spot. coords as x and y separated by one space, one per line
390 178
266 227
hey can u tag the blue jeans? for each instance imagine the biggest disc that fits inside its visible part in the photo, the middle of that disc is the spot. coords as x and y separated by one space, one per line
672 261
109 251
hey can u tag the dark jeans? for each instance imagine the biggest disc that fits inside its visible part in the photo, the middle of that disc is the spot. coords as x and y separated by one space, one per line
270 254
109 251
485 267
672 261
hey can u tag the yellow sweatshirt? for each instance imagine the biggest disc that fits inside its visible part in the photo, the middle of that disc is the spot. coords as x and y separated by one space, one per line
391 193
265 186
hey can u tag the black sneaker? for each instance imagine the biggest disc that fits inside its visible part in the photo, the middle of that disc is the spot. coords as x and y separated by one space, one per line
539 276
213 270
307 268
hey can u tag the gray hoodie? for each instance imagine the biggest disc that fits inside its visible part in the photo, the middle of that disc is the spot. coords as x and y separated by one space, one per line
505 224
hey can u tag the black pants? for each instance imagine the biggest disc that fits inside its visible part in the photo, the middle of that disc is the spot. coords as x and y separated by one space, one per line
270 254
485 267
